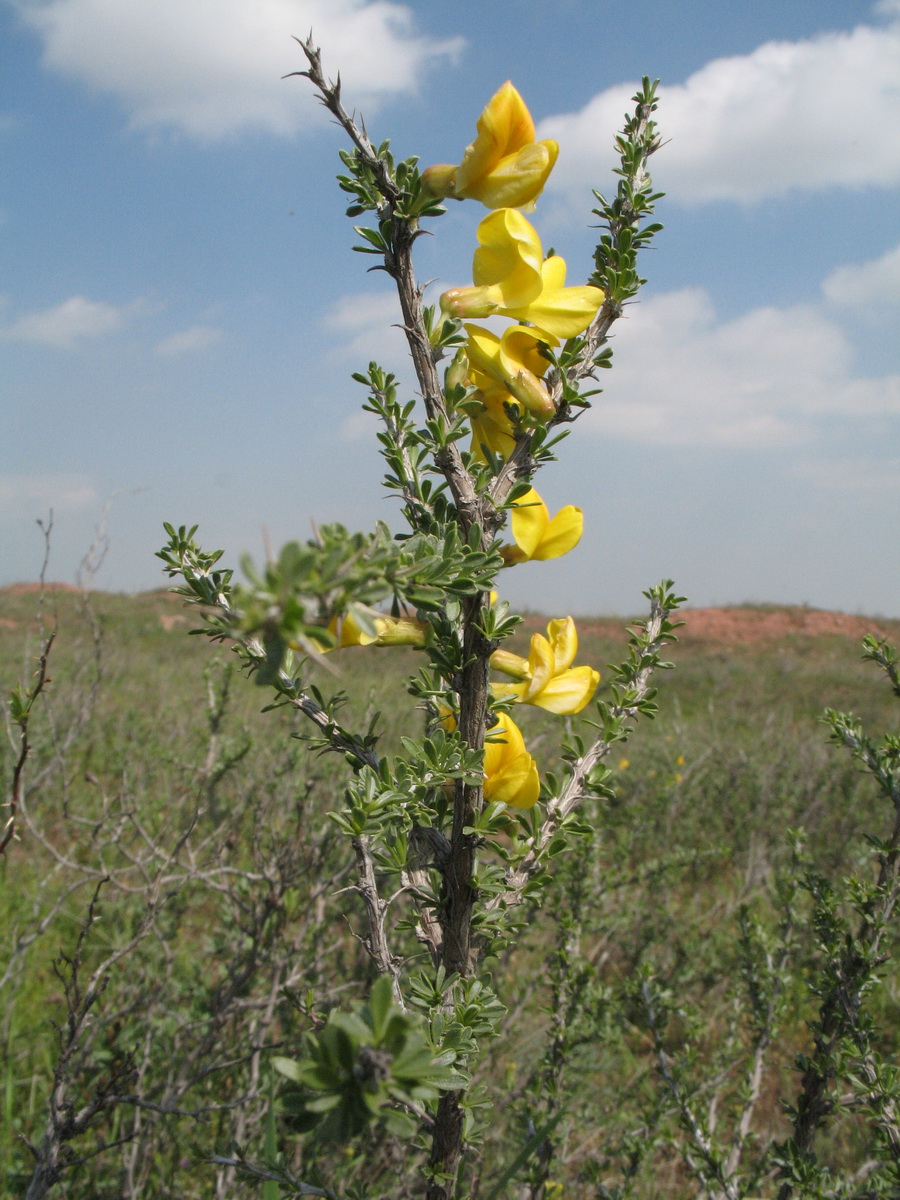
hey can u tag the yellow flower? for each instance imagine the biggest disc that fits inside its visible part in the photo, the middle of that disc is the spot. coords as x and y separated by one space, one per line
510 773
548 678
389 631
505 373
515 361
504 167
512 279
492 428
536 535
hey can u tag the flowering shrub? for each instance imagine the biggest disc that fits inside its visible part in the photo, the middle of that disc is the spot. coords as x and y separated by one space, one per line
454 835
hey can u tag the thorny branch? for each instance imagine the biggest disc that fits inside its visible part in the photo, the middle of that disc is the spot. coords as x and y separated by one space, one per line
133 858
376 942
839 1012
458 868
753 1083
21 706
65 1120
712 1170
398 264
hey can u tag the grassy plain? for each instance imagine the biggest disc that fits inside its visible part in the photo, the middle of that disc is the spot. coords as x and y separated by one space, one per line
155 782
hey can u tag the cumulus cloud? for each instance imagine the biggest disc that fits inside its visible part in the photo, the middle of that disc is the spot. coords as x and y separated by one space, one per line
68 323
188 341
360 427
768 378
23 494
368 327
871 288
213 67
810 114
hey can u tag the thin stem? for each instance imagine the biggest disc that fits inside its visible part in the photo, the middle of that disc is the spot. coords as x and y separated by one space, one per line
22 719
398 264
376 942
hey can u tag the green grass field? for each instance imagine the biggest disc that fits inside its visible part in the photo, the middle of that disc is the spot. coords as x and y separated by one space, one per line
155 783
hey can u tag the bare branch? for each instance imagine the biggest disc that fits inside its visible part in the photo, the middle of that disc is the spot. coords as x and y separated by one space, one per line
21 706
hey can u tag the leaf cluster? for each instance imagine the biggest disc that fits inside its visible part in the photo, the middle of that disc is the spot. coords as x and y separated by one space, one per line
373 1063
615 260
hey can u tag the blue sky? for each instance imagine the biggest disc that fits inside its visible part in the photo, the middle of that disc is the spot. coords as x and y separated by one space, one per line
180 310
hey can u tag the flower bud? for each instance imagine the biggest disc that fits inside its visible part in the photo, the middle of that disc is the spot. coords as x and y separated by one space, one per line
462 302
455 375
439 180
510 664
399 631
529 390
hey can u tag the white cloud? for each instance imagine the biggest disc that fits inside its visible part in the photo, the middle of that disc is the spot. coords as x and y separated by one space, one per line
859 475
369 323
22 495
67 323
213 67
768 378
360 427
810 114
871 288
198 337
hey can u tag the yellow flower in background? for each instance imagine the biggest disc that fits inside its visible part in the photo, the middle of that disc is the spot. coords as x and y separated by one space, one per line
536 535
504 167
389 631
548 679
513 360
512 279
510 773
346 632
492 428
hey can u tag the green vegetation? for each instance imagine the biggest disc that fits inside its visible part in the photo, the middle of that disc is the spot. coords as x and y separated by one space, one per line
174 917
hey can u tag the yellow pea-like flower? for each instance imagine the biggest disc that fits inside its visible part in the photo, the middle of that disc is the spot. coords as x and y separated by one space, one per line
512 279
510 773
492 427
515 361
389 631
504 167
536 535
547 677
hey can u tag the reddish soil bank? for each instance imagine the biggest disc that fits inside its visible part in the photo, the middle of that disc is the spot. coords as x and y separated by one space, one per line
746 625
772 624
743 626
24 589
